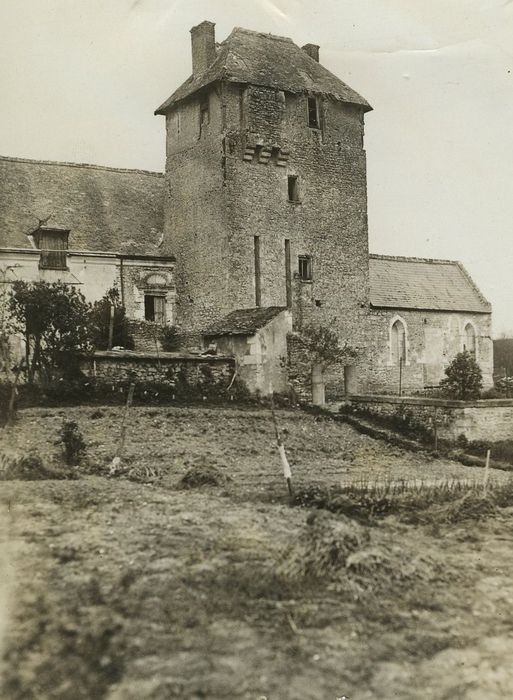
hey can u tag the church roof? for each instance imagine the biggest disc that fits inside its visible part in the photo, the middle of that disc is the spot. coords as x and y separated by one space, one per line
264 59
244 321
420 283
105 209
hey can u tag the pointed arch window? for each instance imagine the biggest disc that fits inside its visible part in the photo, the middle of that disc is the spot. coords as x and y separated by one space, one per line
469 339
398 342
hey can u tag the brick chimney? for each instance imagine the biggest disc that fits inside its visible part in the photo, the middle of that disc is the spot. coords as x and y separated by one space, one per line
203 39
312 50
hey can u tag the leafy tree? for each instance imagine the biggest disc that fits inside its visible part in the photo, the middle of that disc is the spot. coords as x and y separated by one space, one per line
100 320
323 347
464 378
54 319
320 349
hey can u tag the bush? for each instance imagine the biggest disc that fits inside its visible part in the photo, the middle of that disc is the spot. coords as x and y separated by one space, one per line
464 378
170 339
72 442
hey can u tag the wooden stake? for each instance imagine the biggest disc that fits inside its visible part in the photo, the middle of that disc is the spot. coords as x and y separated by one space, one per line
111 327
11 410
281 450
116 462
487 472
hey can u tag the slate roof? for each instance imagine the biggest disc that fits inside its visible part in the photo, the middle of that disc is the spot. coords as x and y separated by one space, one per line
244 321
254 58
419 283
105 209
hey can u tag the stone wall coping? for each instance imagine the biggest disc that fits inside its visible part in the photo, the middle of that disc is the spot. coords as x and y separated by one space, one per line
427 401
123 355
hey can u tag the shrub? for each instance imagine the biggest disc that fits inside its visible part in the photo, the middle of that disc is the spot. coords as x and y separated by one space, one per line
464 378
170 339
72 442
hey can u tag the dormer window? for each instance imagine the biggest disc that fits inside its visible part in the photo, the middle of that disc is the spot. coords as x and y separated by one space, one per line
53 244
313 113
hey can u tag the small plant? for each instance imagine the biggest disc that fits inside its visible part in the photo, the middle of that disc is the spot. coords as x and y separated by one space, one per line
170 339
464 378
72 442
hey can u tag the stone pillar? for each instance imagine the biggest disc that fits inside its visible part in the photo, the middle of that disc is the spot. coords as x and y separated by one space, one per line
350 380
318 396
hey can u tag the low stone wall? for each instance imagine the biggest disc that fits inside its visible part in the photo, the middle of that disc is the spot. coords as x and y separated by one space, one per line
167 367
490 420
146 336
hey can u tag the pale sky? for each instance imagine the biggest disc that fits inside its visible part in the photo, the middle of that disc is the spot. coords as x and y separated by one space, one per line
80 79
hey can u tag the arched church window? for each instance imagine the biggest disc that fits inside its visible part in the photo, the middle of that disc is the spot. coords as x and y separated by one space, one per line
469 339
398 342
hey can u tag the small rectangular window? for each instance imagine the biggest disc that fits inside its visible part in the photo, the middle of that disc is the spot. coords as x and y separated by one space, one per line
305 268
293 188
313 113
155 308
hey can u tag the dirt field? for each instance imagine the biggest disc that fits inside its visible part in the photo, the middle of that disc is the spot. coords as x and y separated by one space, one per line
129 591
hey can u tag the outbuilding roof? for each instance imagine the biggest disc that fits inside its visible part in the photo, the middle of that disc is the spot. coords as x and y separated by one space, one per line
420 283
255 58
244 321
105 209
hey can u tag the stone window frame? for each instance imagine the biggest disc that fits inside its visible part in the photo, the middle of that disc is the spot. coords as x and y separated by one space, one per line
466 324
148 287
391 361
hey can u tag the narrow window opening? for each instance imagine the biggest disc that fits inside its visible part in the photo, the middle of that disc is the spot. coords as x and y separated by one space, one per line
305 268
398 343
288 274
313 113
258 283
155 309
293 188
469 343
204 112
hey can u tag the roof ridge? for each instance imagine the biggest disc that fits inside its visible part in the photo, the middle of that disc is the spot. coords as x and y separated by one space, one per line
265 35
90 166
408 258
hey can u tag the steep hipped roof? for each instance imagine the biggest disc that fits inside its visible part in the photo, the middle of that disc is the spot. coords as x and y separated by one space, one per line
419 283
105 209
244 321
264 59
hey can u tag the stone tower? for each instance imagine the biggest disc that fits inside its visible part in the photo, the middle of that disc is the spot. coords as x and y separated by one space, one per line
266 177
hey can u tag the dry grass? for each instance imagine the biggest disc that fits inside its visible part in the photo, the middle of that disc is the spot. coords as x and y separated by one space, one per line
415 503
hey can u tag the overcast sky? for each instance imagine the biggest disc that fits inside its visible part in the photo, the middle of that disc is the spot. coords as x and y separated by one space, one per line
80 79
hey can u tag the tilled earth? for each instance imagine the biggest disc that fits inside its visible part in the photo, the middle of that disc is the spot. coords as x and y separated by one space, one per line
118 590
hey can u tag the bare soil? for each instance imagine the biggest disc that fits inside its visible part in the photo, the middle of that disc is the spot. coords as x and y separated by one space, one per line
119 590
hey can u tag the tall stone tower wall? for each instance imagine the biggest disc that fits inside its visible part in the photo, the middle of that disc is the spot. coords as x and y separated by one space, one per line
228 170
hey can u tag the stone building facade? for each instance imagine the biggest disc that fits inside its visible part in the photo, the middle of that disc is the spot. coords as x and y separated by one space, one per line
262 206
92 227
